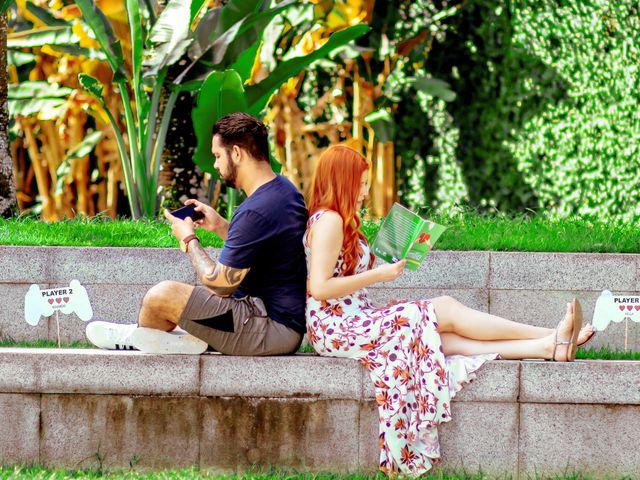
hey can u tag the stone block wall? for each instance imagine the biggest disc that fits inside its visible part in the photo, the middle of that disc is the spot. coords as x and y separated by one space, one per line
80 409
526 287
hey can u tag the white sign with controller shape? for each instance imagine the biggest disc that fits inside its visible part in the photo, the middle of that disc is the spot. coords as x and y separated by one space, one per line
71 299
616 308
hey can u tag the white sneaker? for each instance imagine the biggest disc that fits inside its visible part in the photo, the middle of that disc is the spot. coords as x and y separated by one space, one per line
111 336
150 340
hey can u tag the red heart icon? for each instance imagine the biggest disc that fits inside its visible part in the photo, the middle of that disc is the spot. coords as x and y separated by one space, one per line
58 300
51 301
637 307
424 238
621 307
66 299
629 307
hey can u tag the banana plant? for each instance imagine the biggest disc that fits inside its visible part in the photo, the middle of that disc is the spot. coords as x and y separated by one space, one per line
4 6
224 92
146 112
31 98
223 38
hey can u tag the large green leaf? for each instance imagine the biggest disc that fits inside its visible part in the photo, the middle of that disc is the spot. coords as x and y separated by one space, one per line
196 6
42 36
4 6
235 44
251 32
222 93
19 58
435 88
83 148
37 98
48 108
169 35
31 90
92 86
104 35
244 62
219 46
46 16
217 21
258 95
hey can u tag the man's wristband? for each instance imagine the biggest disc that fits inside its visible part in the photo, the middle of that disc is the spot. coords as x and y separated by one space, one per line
184 243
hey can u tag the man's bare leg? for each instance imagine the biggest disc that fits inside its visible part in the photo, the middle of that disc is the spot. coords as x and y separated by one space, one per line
163 304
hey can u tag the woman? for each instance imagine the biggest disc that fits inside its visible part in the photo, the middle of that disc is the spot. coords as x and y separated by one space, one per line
403 345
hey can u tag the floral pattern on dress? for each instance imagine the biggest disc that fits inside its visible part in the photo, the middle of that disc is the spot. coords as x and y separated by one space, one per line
400 347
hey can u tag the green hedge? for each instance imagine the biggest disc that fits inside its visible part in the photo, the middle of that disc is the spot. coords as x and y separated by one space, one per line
546 115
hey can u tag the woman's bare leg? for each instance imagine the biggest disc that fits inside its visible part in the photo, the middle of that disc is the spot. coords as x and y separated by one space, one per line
454 317
454 344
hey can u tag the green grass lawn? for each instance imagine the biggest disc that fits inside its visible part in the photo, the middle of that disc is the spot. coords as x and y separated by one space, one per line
466 231
38 473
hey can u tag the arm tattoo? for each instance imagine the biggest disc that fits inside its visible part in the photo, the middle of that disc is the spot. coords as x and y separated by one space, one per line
221 279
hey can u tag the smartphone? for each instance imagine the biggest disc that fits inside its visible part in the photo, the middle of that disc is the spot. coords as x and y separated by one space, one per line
188 211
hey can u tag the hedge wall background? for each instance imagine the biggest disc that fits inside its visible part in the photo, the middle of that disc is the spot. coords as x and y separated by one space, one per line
546 115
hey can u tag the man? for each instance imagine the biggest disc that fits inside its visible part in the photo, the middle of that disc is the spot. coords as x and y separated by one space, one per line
253 298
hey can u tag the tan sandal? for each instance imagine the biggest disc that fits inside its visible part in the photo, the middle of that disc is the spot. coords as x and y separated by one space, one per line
571 342
556 343
577 325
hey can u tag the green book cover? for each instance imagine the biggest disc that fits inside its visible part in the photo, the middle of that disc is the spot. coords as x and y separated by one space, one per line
405 234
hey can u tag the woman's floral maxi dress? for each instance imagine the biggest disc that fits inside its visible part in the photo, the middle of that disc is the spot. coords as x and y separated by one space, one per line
400 347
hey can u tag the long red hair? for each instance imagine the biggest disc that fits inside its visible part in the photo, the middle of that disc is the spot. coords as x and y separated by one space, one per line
336 186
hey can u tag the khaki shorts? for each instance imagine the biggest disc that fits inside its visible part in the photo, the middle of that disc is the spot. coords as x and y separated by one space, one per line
236 326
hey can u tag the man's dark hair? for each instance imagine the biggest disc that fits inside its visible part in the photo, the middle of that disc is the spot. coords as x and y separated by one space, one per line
245 131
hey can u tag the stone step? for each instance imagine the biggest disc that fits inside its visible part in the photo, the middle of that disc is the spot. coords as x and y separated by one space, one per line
526 287
78 408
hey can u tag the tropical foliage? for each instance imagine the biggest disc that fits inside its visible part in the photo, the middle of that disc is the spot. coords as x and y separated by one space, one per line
354 97
510 106
547 111
185 48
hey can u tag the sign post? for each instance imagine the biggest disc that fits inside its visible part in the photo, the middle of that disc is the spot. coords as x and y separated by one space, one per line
616 308
71 299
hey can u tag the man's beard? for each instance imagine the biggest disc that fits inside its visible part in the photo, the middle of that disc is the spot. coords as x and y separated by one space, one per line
232 172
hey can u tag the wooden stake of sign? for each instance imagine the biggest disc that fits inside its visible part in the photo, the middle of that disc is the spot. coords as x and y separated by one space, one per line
58 326
626 333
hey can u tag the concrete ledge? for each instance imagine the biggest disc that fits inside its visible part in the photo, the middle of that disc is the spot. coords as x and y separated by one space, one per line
298 376
593 381
526 287
73 409
75 371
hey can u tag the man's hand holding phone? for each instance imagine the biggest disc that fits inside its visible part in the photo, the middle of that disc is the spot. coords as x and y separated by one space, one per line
188 211
211 220
198 214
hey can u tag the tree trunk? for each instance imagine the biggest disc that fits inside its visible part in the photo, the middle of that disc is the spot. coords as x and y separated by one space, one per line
180 178
8 203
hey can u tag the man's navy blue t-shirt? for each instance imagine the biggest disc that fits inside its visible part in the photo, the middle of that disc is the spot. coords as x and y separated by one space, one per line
265 235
